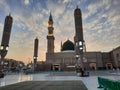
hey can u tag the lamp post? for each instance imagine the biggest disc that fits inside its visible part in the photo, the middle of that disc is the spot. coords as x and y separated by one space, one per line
20 67
79 55
29 66
3 52
77 63
79 52
35 57
77 58
35 62
5 38
85 62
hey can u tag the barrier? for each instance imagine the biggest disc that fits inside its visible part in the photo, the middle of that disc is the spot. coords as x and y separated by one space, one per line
108 84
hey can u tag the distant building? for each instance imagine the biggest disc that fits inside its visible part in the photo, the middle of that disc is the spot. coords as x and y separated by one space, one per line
11 64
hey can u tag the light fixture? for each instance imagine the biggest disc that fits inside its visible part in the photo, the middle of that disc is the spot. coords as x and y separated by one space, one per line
76 43
20 65
81 48
30 66
1 47
7 48
35 57
77 56
80 43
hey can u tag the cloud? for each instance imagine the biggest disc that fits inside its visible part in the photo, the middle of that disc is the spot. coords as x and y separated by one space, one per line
25 30
66 1
100 25
26 2
4 6
102 29
56 8
1 30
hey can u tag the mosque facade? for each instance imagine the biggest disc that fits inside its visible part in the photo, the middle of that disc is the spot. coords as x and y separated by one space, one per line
67 58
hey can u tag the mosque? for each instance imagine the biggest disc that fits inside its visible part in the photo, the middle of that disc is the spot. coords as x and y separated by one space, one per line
68 57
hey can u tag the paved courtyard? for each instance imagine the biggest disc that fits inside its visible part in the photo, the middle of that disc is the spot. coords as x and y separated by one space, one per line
46 85
90 82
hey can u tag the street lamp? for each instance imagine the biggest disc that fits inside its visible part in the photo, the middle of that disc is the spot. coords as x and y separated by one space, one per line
79 56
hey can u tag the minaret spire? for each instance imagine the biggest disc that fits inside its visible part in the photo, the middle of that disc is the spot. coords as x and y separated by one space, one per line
50 18
77 6
9 14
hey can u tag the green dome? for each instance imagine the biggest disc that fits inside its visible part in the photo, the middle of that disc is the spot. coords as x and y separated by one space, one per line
68 45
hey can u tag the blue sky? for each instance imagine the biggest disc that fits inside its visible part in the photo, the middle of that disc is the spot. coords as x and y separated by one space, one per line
101 24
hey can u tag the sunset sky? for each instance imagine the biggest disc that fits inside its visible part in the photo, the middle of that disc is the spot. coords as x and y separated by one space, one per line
101 24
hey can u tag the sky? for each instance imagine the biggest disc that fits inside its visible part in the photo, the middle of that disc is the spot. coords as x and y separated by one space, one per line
101 25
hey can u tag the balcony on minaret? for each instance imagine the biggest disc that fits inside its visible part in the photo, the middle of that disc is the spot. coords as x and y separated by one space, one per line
50 34
50 24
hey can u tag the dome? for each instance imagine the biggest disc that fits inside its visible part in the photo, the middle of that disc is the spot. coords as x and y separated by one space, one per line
68 45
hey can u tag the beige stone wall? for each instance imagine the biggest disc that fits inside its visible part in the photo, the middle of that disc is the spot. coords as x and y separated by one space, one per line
68 58
94 58
107 60
116 57
61 57
98 60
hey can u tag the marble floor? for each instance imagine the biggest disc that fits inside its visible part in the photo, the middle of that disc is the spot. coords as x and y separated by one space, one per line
90 82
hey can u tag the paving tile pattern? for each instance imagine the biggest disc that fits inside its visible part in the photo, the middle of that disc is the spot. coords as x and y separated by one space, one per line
46 85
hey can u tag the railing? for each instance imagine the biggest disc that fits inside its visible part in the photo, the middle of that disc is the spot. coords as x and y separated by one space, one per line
108 84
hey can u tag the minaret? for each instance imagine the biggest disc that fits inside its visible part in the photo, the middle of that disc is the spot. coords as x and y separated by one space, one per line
35 50
6 36
78 39
50 36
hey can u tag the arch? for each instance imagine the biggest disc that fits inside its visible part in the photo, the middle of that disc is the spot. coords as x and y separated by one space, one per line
92 66
109 66
56 67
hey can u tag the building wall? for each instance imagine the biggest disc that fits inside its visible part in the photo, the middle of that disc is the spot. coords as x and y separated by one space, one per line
115 54
94 59
107 60
61 57
98 60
